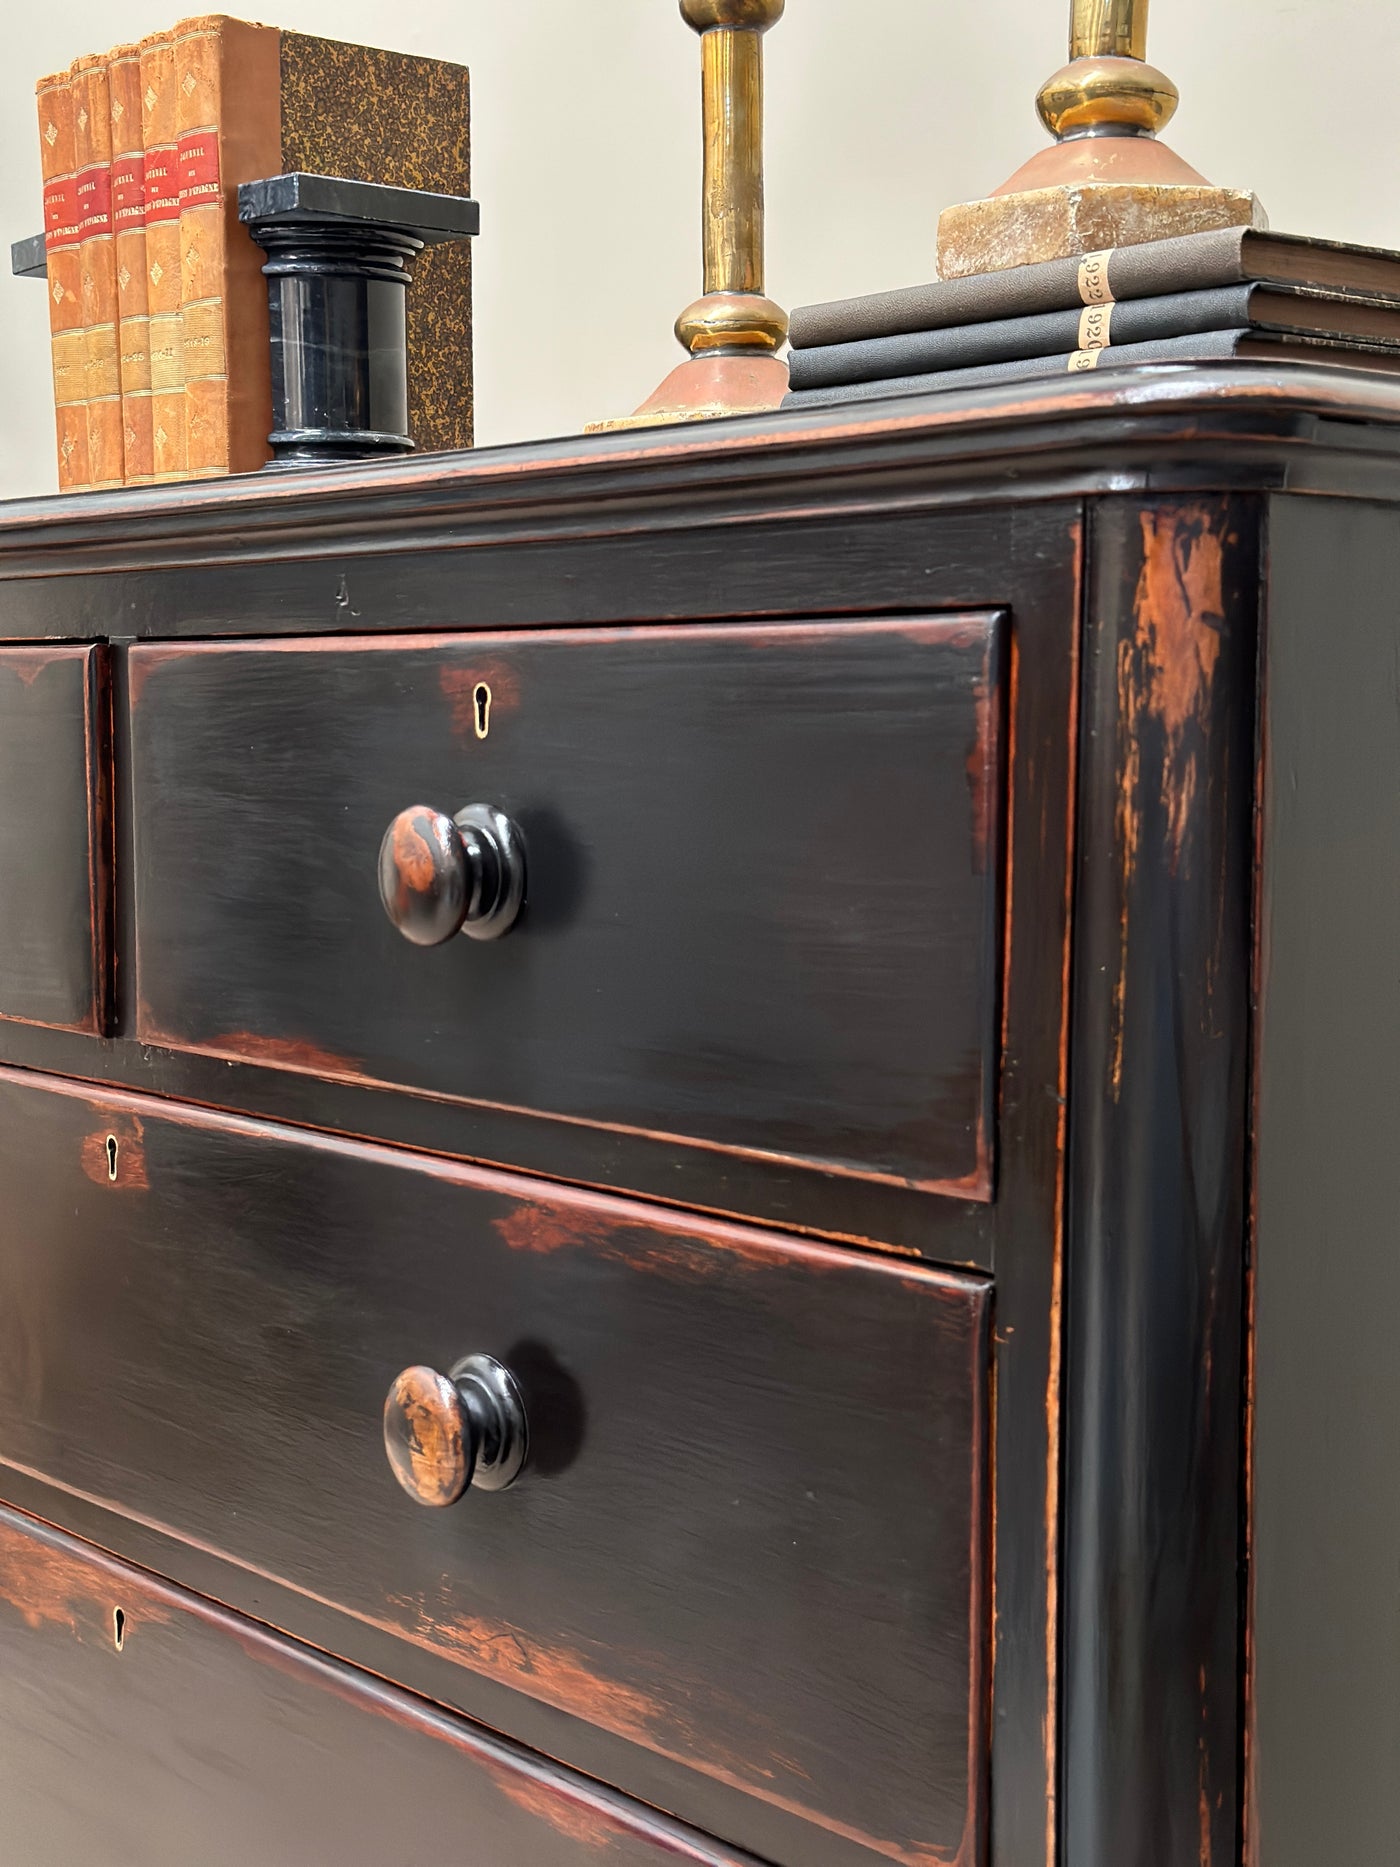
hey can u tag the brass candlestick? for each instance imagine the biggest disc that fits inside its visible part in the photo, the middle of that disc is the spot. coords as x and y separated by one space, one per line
1106 181
733 332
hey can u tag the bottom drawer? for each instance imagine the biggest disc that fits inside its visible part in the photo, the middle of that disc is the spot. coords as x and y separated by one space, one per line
742 1576
143 1727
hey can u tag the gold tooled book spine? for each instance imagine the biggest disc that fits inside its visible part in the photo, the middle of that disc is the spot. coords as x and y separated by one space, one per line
133 290
228 124
92 120
58 155
226 102
162 200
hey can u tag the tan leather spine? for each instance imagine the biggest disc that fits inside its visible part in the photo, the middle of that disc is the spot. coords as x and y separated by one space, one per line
92 119
133 291
166 347
229 125
59 162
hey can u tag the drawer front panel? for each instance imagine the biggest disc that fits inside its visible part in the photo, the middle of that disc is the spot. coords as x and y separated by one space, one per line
762 878
55 874
750 1538
142 1727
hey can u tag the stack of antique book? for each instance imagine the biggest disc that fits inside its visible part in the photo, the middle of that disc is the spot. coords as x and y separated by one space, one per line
1233 292
158 307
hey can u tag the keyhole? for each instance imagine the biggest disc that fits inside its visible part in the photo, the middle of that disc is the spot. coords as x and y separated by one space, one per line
118 1628
111 1157
481 700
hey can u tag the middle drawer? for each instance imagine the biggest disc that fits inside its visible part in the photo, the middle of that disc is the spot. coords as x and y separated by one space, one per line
750 1538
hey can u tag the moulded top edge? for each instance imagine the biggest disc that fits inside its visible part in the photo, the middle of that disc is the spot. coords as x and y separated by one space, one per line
1266 425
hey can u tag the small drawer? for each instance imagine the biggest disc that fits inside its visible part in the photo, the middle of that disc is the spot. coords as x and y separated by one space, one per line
55 836
143 1727
760 879
749 1542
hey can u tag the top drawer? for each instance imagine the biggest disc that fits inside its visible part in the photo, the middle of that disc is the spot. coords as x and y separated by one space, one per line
55 826
762 877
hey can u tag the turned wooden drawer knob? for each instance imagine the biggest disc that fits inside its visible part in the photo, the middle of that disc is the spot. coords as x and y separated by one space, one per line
445 1432
441 875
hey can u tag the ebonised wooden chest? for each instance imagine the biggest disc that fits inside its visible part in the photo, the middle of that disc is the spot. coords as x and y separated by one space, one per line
850 1320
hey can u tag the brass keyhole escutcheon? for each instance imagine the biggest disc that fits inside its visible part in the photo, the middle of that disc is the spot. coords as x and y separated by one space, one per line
111 1157
481 709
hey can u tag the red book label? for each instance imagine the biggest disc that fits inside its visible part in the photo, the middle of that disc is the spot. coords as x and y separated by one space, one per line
162 189
198 168
61 212
128 191
95 201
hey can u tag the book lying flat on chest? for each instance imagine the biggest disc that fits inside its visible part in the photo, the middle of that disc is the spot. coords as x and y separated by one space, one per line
1195 262
1284 310
1207 347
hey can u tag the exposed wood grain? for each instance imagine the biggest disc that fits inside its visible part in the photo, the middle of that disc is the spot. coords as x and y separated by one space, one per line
204 1737
752 1544
1156 1248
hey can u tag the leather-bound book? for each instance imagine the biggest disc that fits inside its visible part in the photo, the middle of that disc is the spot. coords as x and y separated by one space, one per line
218 86
129 235
1204 347
162 235
92 119
1193 262
1289 311
254 101
62 245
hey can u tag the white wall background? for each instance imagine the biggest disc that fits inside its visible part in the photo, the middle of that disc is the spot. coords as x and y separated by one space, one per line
586 158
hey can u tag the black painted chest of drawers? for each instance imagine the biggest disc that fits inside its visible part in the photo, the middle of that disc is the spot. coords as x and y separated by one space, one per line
923 1152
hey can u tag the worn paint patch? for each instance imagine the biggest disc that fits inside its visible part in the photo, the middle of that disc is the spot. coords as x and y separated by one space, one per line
982 774
49 1586
564 1679
287 1053
27 664
543 1230
1179 607
1166 681
459 687
577 1821
114 1154
142 662
553 1675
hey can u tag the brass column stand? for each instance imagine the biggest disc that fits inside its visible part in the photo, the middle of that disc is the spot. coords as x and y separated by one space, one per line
1106 181
734 332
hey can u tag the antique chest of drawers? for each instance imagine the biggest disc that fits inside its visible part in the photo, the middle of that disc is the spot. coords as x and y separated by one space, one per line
847 1321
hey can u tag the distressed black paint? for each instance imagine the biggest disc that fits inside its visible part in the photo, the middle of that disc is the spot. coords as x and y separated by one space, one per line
1156 1241
764 878
146 1728
55 829
752 1537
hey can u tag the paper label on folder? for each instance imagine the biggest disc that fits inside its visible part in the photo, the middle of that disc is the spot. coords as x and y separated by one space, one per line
1094 288
1095 323
1083 360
